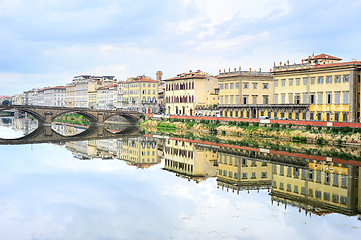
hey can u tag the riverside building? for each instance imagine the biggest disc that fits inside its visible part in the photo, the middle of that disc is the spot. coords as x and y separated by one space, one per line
324 88
140 94
245 94
187 90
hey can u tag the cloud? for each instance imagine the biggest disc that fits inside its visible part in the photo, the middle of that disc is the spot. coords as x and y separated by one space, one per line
49 42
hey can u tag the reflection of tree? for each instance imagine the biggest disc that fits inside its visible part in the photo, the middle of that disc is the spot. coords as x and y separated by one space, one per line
6 121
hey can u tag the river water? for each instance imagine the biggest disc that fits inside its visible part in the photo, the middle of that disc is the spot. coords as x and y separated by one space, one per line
168 187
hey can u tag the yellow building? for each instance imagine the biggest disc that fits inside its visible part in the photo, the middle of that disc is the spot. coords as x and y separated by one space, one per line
242 93
320 187
140 152
140 94
92 99
239 172
184 92
328 87
70 95
188 160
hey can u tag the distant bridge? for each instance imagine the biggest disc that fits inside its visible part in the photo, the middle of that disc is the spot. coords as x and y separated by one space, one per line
45 114
45 134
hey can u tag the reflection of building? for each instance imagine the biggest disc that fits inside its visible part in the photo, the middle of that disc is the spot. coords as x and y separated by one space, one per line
242 172
188 160
140 152
320 187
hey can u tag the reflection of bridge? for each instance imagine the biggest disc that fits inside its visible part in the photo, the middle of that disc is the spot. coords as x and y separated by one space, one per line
45 134
45 115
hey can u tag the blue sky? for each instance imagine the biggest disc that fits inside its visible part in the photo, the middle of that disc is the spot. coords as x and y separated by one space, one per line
47 42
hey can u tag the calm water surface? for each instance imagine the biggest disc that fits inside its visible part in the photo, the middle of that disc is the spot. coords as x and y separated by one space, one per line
170 188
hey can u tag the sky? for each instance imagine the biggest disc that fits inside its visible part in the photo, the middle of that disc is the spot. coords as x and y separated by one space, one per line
48 42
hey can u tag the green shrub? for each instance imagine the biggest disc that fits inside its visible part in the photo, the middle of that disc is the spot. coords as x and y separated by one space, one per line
290 125
319 128
255 124
223 132
308 127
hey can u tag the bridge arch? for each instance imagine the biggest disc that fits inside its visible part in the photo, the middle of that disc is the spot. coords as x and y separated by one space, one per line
129 117
92 119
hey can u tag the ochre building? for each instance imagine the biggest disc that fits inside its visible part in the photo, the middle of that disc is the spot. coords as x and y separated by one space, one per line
184 92
328 87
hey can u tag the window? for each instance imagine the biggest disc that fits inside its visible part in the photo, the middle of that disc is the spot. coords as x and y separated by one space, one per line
231 100
221 99
346 78
225 99
263 174
245 101
283 98
221 86
298 80
345 97
326 196
276 83
312 98
281 186
295 189
335 179
312 80
318 176
265 85
281 170
283 81
231 86
244 175
245 85
319 98
305 98
237 85
254 99
226 86
343 181
337 97
329 98
319 80
237 99
337 79
297 99
312 116
290 98
276 99
310 192
304 81
318 194
289 187
290 81
254 85
328 79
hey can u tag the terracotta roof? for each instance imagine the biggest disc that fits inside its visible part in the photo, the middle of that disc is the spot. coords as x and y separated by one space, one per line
336 64
195 75
323 56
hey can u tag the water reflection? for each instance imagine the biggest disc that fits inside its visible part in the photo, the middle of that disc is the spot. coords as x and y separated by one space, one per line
309 184
16 127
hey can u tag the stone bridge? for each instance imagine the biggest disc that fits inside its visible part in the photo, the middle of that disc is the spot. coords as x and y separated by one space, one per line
45 134
46 114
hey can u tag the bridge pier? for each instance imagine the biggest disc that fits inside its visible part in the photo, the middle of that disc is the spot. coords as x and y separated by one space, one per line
48 117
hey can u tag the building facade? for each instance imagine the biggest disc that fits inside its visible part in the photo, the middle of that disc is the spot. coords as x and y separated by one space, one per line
140 94
330 87
245 94
184 92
